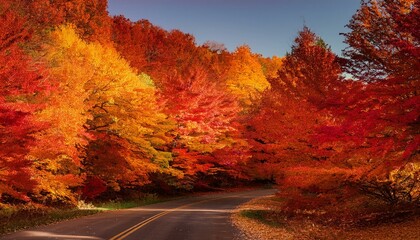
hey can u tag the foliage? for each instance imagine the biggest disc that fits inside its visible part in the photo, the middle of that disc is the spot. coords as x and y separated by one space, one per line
310 71
106 112
378 133
271 66
205 115
384 40
90 17
282 128
20 86
153 50
245 77
402 187
93 106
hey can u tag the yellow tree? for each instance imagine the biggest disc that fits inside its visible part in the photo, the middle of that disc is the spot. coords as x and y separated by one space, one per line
271 66
245 77
101 102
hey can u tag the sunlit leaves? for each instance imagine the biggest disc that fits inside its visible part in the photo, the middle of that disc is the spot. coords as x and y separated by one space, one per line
245 78
100 101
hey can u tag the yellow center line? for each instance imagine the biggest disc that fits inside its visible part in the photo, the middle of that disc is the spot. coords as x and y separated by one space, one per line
141 224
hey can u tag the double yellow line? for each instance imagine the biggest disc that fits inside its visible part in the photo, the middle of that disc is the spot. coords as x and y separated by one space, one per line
141 224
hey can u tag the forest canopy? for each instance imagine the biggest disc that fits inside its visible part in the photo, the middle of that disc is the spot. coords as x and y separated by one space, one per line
94 106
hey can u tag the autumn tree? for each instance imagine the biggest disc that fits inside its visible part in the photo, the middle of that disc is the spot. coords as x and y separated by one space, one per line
375 133
299 91
155 51
190 80
384 40
205 115
216 62
181 52
101 104
279 133
291 111
20 86
271 66
245 77
90 17
141 43
375 129
311 71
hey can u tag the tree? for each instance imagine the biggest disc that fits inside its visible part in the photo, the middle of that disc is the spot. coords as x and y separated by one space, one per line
152 50
375 134
375 129
20 86
245 77
281 131
141 43
90 17
205 115
384 40
100 103
216 63
202 109
271 66
311 71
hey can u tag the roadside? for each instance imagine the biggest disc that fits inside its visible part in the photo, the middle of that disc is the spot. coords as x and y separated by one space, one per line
264 219
26 216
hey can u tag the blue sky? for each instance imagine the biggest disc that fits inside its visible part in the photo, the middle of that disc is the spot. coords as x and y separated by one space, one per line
267 26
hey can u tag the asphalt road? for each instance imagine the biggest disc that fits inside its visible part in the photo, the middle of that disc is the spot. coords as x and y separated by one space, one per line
202 218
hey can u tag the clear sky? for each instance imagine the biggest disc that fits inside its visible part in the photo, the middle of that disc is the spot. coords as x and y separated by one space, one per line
267 26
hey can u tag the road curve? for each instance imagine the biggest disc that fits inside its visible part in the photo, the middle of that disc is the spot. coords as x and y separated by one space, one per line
202 217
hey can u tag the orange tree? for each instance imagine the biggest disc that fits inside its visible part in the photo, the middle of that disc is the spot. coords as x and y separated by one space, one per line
22 86
383 40
206 126
291 111
376 125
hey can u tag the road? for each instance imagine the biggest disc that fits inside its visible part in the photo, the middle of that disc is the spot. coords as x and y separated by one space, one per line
200 217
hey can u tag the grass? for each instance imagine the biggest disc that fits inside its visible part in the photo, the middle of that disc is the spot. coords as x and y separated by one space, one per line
263 216
14 218
145 200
